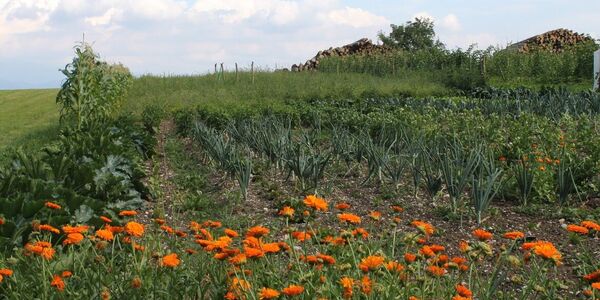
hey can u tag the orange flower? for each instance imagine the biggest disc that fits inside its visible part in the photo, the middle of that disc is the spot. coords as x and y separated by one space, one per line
397 208
577 229
136 282
105 219
238 259
257 231
514 235
427 228
463 246
315 202
591 225
73 239
159 221
545 250
45 227
360 231
58 283
2 221
366 285
287 211
436 271
5 272
213 224
267 293
231 233
347 283
301 235
370 263
342 206
253 252
52 205
596 285
427 251
463 291
459 297
134 229
167 229
293 290
437 248
375 215
170 260
409 257
394 266
349 218
75 229
127 213
105 234
114 229
41 248
66 274
482 235
592 277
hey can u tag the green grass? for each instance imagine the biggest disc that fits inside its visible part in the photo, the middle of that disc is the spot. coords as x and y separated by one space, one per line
28 118
178 91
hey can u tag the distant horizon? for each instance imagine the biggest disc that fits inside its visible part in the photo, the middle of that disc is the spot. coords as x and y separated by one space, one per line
182 37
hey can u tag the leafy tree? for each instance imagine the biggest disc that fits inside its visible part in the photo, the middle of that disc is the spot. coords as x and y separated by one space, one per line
414 35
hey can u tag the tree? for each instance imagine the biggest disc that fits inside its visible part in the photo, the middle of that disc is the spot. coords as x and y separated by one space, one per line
414 35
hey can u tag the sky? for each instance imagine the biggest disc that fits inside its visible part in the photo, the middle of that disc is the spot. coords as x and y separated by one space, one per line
189 36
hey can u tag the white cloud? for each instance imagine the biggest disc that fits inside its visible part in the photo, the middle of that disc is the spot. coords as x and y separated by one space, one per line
451 22
235 11
105 18
357 18
24 16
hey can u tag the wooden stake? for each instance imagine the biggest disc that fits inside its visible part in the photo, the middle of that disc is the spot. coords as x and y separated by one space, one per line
222 73
236 73
252 69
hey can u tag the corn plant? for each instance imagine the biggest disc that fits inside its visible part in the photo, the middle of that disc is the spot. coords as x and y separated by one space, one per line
458 165
485 186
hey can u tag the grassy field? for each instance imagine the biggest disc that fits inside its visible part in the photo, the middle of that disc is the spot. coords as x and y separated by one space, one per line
27 117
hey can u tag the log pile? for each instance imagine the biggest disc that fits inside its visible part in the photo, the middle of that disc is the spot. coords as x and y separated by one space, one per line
553 41
363 46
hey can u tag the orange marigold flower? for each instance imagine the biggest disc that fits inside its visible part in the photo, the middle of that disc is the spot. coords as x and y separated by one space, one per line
105 234
6 272
394 266
73 239
293 290
427 251
514 235
213 224
287 211
231 233
41 248
52 205
127 213
349 218
459 297
397 208
463 291
409 257
436 271
315 202
437 248
591 225
159 221
592 277
46 227
413 298
427 228
375 215
105 219
347 283
301 235
66 274
577 229
270 247
371 262
363 232
58 283
75 229
596 285
257 231
167 229
482 235
547 250
342 206
170 260
253 252
134 229
114 229
463 246
366 285
267 293
238 259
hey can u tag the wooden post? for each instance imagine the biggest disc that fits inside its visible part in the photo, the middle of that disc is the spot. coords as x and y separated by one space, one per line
236 73
216 73
222 73
596 70
252 69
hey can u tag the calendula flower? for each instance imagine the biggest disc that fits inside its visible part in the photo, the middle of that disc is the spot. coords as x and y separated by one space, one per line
46 227
257 231
52 205
170 260
105 219
105 234
514 235
315 202
134 229
427 228
596 285
159 221
459 297
73 239
366 285
591 225
267 293
127 213
593 277
409 257
577 229
301 235
238 259
371 262
41 248
293 290
397 208
75 229
231 233
482 235
213 224
436 271
136 282
394 266
463 291
545 250
58 283
342 206
6 272
287 211
363 232
375 215
349 218
66 274
347 283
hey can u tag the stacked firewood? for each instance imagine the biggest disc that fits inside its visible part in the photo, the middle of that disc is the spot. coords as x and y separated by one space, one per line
553 41
363 46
